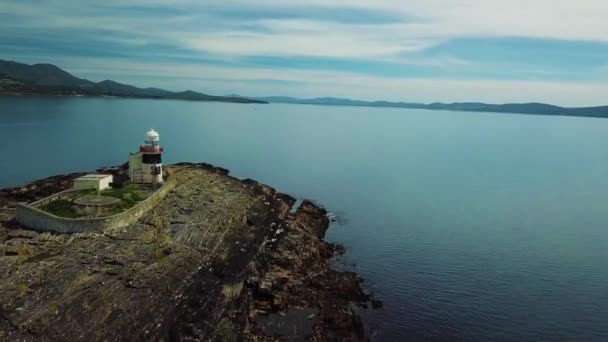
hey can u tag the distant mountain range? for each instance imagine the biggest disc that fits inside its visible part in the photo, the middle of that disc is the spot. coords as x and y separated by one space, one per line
521 108
47 79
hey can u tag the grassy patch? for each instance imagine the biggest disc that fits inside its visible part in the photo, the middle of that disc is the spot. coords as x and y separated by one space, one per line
129 195
23 287
61 207
53 309
24 250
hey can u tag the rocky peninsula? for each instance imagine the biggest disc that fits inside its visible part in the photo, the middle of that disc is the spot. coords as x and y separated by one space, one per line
218 259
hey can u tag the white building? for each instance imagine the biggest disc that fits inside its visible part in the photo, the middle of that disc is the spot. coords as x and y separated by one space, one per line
93 181
145 166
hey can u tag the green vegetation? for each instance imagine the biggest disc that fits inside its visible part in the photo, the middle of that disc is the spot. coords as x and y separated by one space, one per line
25 250
23 287
62 208
53 309
130 195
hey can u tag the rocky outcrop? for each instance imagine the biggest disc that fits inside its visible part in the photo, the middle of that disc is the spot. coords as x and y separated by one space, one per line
218 259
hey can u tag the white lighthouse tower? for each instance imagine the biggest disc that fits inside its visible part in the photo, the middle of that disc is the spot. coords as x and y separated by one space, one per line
146 165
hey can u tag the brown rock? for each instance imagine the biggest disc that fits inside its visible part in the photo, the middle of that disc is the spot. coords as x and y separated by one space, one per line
184 280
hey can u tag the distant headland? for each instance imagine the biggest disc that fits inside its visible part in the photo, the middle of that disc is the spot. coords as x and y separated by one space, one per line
516 108
47 79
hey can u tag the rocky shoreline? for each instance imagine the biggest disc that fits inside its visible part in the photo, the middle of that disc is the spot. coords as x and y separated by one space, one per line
219 259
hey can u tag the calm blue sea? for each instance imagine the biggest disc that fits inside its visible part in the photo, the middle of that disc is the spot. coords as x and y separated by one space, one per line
469 226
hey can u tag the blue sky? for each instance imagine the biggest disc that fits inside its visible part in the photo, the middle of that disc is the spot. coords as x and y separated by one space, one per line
552 51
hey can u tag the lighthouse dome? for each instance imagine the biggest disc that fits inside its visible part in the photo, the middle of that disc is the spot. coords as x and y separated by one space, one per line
152 135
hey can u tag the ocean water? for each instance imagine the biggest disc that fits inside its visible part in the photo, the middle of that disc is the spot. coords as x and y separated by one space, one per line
469 226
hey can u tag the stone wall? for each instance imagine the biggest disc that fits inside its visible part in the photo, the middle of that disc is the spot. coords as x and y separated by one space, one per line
32 217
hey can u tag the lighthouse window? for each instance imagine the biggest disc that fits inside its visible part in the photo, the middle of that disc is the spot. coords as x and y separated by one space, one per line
151 159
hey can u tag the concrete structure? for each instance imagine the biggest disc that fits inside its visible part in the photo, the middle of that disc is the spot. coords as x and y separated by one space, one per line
145 166
33 217
97 201
93 181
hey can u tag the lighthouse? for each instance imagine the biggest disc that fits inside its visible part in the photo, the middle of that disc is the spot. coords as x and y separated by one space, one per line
145 166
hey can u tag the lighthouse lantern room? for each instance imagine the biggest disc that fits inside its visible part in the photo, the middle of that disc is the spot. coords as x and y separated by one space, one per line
145 166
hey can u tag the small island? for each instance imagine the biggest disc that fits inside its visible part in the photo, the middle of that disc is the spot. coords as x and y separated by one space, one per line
216 258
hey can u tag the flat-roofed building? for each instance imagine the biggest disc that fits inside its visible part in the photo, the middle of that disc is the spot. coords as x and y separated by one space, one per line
93 181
